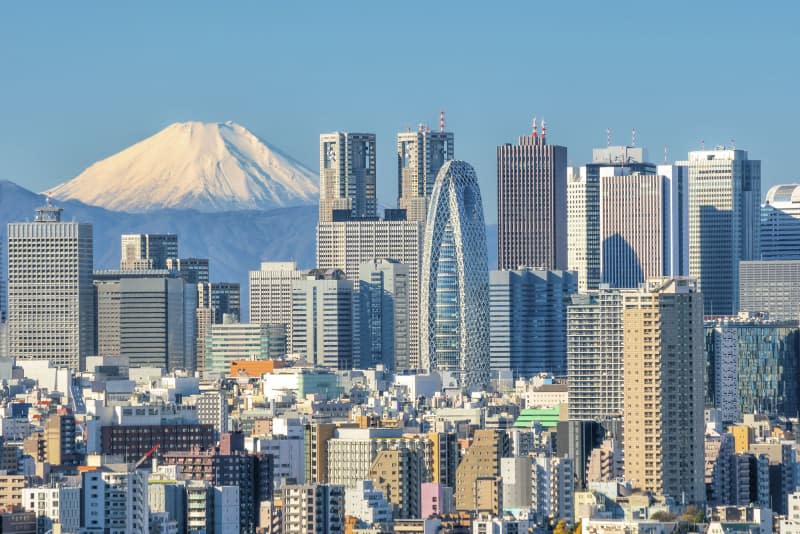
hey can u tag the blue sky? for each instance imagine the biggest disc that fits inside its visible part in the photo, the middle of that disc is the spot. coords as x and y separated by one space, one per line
80 81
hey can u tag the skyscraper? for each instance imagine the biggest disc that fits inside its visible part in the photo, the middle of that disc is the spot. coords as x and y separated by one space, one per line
771 287
347 175
271 293
50 293
193 270
664 362
346 245
383 297
583 206
724 208
532 204
527 311
643 225
322 319
147 251
780 223
454 329
420 155
594 355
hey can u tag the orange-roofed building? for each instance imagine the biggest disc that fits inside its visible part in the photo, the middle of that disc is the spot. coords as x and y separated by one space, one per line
254 368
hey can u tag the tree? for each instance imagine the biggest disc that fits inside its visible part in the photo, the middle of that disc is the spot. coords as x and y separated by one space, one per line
561 527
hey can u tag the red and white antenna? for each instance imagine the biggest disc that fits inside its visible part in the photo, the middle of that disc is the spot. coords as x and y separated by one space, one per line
544 129
534 128
441 121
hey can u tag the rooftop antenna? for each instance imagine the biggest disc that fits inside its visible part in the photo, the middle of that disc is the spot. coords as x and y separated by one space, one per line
534 129
421 128
666 153
633 137
608 136
544 129
441 121
702 144
733 143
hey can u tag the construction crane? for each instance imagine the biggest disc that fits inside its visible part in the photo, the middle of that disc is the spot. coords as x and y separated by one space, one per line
147 455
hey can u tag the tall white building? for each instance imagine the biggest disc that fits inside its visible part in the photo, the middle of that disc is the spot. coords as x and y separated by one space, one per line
50 293
594 355
347 175
115 500
347 245
724 218
271 292
780 223
420 155
59 504
323 307
552 486
212 409
454 322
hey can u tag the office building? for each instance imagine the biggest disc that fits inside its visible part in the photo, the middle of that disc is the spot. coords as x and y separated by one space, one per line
594 355
313 509
477 478
193 270
226 510
230 342
347 175
454 323
583 207
771 287
643 225
147 316
347 245
664 363
271 293
532 204
516 474
752 367
212 409
54 505
383 294
527 313
168 497
367 504
147 251
114 499
226 299
50 295
780 223
133 441
420 155
323 306
724 218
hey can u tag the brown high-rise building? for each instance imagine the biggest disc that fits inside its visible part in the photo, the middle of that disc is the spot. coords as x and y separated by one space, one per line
663 353
477 486
532 204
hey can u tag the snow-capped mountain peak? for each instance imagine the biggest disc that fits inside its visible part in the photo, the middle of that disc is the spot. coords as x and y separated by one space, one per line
202 166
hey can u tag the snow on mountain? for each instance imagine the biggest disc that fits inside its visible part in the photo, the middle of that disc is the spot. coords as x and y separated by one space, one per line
208 167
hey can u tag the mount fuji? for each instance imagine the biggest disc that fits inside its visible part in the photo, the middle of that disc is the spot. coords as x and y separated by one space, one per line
208 167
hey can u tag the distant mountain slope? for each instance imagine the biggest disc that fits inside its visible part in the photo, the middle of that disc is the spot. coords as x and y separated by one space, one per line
208 167
234 242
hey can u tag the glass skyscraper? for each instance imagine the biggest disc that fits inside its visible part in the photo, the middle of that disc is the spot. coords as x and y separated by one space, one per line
455 279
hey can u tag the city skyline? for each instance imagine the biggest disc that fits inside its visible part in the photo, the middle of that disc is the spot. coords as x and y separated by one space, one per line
481 113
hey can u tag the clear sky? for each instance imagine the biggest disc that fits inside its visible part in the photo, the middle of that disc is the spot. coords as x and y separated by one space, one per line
80 81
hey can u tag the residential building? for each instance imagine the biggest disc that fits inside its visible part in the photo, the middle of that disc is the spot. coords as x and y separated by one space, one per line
527 313
663 388
532 204
367 504
313 509
724 217
454 328
398 473
420 156
323 319
478 487
51 313
147 251
114 499
56 504
347 175
594 355
384 314
552 487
